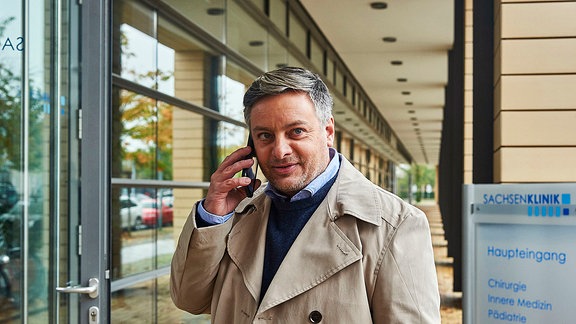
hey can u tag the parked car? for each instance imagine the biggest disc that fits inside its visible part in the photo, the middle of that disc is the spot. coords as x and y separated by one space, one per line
151 213
130 213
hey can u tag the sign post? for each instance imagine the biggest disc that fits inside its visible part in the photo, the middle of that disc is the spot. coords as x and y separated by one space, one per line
519 253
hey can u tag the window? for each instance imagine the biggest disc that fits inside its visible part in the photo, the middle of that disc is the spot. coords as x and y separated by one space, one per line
297 33
278 14
209 15
246 36
316 54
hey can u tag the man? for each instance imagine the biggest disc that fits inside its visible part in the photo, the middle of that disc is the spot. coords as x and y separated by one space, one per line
320 243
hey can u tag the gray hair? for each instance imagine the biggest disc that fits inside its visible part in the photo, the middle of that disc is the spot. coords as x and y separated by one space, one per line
290 79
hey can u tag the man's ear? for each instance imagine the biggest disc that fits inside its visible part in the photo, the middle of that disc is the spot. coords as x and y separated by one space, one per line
329 128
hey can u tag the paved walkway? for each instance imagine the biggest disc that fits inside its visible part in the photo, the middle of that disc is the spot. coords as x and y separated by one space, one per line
451 302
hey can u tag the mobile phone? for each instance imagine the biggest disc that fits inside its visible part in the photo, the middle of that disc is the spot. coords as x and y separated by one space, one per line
247 172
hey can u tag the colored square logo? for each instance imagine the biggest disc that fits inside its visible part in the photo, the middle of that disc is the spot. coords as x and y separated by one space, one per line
566 211
565 199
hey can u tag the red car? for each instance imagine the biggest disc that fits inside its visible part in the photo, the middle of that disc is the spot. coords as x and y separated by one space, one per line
151 213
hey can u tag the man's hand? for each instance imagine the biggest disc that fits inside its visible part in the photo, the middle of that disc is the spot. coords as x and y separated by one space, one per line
225 192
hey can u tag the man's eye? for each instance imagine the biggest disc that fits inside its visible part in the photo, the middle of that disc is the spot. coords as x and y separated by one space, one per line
264 136
298 131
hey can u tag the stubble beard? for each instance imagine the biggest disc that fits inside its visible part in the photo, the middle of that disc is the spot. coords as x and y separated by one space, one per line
296 183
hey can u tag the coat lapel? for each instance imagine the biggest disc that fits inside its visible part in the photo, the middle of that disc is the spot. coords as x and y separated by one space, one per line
320 251
245 244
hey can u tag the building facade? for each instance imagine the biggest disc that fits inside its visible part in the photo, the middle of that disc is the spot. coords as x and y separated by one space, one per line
518 99
113 116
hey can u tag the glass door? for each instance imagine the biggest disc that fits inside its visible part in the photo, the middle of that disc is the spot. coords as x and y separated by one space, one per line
45 254
87 293
25 169
54 177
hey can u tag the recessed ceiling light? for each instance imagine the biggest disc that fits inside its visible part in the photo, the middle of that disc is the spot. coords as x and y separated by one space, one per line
256 43
215 11
389 39
402 80
411 111
406 93
378 5
408 103
396 62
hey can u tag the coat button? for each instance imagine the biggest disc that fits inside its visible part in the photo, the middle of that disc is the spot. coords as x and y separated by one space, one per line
315 317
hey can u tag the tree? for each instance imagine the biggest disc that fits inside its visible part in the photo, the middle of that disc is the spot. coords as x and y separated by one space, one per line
146 134
422 175
145 125
419 177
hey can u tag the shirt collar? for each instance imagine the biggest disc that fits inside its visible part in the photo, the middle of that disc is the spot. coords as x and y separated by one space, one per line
313 186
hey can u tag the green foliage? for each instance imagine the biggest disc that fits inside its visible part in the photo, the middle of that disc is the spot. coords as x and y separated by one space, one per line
416 175
146 135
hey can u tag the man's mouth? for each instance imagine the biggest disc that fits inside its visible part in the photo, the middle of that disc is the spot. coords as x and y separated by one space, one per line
284 169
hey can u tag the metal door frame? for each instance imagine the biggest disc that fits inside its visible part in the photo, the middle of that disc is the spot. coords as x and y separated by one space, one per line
95 78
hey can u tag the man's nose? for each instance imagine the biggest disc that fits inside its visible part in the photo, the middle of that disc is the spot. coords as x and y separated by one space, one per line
282 148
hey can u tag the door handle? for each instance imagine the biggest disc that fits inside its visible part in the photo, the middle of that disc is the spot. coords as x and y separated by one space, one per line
91 290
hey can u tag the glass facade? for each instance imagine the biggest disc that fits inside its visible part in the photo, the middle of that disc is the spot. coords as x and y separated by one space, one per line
179 70
34 160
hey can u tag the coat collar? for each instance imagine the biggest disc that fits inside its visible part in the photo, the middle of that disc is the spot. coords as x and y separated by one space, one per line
352 194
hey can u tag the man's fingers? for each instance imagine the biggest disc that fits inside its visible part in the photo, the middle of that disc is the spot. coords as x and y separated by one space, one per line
224 173
224 194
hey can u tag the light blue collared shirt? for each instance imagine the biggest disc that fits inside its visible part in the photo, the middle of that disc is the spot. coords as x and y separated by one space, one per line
271 192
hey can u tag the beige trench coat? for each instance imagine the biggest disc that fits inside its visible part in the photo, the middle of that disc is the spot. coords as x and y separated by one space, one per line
365 256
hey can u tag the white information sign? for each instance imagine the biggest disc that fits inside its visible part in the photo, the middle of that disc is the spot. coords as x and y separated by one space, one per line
519 253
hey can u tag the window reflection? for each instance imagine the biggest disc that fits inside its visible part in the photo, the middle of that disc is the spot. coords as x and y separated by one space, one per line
235 82
330 70
277 54
135 34
232 96
11 256
145 135
150 300
142 228
208 14
138 56
297 32
24 214
246 36
277 14
316 54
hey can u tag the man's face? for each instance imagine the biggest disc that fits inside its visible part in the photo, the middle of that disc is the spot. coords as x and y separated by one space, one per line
291 144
